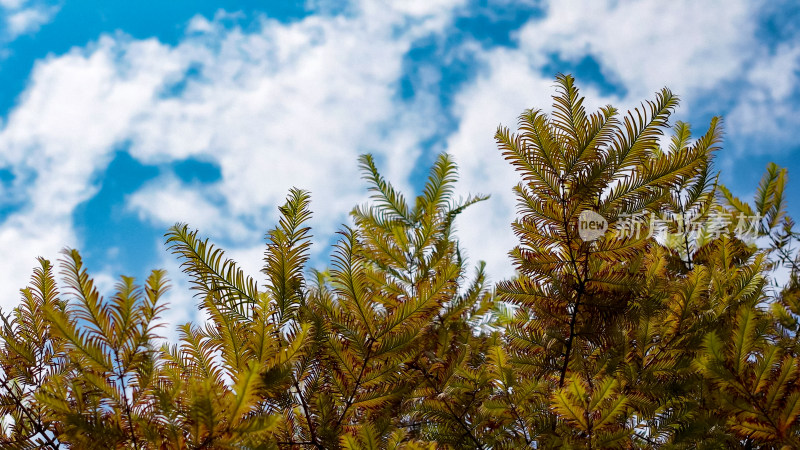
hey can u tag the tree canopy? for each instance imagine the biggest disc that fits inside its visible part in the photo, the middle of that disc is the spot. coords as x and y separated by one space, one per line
663 328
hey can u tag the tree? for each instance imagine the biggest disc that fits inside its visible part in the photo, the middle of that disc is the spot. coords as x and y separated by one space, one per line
661 328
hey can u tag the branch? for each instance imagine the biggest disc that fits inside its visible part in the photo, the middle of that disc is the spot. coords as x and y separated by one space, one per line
36 423
459 419
352 396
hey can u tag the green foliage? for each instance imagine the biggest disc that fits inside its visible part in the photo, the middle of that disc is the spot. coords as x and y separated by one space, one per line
678 337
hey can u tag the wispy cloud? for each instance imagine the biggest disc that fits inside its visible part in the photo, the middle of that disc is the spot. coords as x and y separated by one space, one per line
23 17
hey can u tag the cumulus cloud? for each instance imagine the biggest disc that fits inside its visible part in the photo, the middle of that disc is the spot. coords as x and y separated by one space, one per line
293 104
687 45
709 53
282 105
698 50
168 201
79 107
765 114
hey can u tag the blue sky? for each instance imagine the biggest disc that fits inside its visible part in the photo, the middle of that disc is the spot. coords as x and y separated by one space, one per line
118 119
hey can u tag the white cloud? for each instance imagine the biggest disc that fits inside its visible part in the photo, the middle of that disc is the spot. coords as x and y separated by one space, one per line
168 201
24 17
285 105
686 45
22 238
293 105
65 129
12 4
694 48
708 53
199 24
26 21
765 112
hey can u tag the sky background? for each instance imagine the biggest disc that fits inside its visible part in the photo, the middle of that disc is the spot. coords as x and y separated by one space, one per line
118 119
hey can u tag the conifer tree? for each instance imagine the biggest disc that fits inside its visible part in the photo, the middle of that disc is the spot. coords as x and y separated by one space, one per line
666 327
617 341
